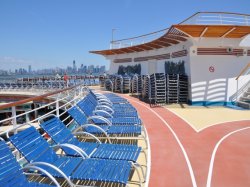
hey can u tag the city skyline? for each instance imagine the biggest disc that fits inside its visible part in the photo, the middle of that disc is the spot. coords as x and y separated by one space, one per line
74 69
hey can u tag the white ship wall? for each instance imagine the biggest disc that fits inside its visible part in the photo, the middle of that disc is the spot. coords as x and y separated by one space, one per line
145 65
219 86
205 87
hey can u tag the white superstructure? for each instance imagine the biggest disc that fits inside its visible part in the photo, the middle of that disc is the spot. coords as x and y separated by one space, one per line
213 46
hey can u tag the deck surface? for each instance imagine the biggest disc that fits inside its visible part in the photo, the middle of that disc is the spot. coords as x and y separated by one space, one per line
218 155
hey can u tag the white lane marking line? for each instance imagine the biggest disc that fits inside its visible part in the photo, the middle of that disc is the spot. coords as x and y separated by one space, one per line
211 165
204 128
148 159
177 139
199 130
182 119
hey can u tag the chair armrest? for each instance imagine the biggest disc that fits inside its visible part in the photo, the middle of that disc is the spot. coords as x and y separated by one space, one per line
86 133
53 167
74 148
105 120
103 107
43 171
105 100
99 128
102 111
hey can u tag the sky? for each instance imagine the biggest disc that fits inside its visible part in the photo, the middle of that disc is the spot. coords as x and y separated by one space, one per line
53 33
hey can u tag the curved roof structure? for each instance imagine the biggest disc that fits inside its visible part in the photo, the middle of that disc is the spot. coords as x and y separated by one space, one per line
201 24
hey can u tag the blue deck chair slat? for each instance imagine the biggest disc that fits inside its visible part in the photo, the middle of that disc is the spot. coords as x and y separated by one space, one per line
90 107
120 121
11 173
94 130
73 167
136 129
99 170
116 107
114 129
59 133
78 116
37 149
89 147
33 144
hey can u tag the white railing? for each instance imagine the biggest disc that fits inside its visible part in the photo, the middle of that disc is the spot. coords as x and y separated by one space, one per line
59 102
47 85
246 83
217 18
129 42
200 18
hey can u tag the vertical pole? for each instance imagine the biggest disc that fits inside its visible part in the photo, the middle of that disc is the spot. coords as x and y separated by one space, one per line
237 91
112 39
57 108
220 19
13 110
36 112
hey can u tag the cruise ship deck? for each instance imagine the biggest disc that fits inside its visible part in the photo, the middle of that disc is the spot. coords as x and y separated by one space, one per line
184 133
202 63
188 145
196 146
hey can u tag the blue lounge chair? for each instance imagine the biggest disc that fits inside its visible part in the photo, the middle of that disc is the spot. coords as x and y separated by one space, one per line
120 110
89 109
104 125
60 134
101 99
113 98
11 173
36 149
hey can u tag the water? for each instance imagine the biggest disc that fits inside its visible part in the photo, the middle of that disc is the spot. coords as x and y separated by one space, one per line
13 78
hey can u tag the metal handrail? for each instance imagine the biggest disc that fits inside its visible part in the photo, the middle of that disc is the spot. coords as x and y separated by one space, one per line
67 100
199 18
36 98
133 41
241 90
217 18
62 96
243 71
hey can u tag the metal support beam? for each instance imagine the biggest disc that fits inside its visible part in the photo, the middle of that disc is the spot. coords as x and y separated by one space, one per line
13 111
203 32
224 35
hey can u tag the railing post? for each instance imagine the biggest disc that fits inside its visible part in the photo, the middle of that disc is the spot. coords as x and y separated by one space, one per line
57 108
36 112
13 110
220 19
237 92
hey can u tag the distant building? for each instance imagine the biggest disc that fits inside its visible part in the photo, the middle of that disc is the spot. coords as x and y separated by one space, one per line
29 69
74 67
102 69
84 69
91 69
69 69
